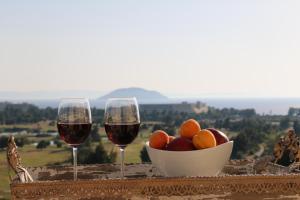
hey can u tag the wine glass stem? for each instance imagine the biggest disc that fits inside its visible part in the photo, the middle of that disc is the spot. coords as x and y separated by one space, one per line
75 162
122 149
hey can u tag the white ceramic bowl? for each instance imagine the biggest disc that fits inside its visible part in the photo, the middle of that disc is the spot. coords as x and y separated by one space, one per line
205 162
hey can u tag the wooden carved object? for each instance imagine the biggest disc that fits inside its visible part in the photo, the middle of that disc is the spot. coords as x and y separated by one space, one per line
287 150
14 162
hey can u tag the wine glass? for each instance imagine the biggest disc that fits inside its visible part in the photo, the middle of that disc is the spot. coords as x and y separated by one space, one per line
74 124
122 123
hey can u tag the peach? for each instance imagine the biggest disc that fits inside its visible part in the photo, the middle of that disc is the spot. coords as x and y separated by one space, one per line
204 139
158 139
189 128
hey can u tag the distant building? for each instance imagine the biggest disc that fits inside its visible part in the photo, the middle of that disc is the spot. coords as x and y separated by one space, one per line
197 107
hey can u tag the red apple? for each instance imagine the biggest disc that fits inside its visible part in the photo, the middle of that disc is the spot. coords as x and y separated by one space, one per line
180 144
219 135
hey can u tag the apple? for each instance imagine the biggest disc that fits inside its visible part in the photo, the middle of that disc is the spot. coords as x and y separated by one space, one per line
219 135
180 144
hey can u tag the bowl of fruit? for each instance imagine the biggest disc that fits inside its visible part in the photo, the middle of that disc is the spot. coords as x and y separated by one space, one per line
196 152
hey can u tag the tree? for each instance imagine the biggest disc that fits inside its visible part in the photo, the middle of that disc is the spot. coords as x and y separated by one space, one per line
296 127
3 142
97 115
88 155
112 156
248 140
284 123
21 141
58 143
94 133
100 155
84 154
43 144
226 123
240 146
247 113
218 123
144 155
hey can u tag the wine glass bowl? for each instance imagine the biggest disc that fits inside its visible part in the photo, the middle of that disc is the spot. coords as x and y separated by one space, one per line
123 134
121 122
74 134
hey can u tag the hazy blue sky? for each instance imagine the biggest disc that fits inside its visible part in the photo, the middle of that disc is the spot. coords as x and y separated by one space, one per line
241 48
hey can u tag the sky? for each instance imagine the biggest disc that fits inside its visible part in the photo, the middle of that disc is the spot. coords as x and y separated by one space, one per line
180 48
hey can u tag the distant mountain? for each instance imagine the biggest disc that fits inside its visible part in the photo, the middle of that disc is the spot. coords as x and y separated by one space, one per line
143 96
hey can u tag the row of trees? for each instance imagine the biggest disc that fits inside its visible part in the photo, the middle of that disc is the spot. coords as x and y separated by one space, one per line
27 113
24 113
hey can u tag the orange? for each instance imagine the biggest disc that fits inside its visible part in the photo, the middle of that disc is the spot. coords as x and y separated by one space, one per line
171 138
189 128
204 139
158 139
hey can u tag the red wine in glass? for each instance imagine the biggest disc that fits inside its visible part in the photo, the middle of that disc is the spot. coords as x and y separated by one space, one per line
74 134
122 123
123 134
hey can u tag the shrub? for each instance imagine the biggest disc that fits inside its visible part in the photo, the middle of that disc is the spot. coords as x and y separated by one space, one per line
42 144
21 141
94 133
58 143
87 155
3 142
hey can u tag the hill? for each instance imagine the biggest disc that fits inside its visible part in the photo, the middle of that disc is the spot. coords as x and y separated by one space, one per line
143 96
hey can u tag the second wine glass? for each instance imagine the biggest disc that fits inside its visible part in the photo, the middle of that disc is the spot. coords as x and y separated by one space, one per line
122 122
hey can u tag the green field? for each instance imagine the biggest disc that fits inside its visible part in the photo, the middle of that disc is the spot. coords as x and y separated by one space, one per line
53 155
